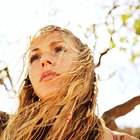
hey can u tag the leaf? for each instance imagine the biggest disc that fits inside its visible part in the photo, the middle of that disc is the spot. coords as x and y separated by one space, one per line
112 44
123 39
93 26
137 54
122 49
125 17
110 31
138 7
132 58
106 23
137 26
130 7
135 40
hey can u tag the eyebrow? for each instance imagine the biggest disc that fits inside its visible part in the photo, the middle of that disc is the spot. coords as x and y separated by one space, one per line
51 44
55 42
36 49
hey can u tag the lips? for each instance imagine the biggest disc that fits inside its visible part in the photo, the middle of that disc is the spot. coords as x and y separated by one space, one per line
48 75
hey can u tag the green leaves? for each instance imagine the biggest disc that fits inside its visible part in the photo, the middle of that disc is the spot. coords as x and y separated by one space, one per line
138 7
112 44
125 17
135 40
110 31
123 39
137 26
134 56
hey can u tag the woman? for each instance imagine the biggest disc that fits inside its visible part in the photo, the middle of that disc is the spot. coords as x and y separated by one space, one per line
58 96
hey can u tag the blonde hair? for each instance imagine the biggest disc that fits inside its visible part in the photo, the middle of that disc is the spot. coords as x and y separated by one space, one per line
69 114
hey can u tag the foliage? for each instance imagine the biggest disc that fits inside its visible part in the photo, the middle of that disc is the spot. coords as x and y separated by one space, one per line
122 25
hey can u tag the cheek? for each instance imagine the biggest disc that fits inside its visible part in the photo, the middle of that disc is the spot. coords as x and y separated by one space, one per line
33 74
67 64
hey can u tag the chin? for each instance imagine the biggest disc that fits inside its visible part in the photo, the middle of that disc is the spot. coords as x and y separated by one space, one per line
44 93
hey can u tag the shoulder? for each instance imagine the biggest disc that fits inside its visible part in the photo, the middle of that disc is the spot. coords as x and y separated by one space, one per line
123 136
113 135
107 134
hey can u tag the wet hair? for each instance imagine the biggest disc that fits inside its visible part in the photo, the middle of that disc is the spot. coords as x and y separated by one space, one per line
69 114
3 120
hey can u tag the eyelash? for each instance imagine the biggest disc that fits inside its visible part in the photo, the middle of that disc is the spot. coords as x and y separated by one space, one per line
59 49
34 57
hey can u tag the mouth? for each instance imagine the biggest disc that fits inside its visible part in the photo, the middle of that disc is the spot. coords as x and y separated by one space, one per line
48 75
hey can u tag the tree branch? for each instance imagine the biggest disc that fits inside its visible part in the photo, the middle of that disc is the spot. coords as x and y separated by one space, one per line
118 111
102 54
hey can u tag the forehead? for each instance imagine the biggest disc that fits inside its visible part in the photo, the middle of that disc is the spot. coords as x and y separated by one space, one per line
52 38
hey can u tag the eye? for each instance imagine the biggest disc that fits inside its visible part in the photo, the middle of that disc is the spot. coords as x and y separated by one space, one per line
59 49
34 57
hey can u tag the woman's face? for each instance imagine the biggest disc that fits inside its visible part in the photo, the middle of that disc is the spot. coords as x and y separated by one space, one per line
49 58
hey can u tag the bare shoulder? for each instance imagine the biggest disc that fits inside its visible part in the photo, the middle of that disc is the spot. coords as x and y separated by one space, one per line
108 134
123 136
113 135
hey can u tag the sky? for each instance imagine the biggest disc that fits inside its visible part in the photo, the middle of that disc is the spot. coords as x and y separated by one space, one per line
21 18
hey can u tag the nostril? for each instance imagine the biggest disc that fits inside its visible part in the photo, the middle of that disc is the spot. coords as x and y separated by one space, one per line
49 62
43 64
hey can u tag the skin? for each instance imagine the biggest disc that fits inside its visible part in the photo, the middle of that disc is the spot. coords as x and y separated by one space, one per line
119 136
50 53
53 53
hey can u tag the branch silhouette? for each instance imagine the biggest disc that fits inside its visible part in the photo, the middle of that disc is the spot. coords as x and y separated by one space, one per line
118 111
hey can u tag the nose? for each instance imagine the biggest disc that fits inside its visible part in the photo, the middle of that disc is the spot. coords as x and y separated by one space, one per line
46 60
